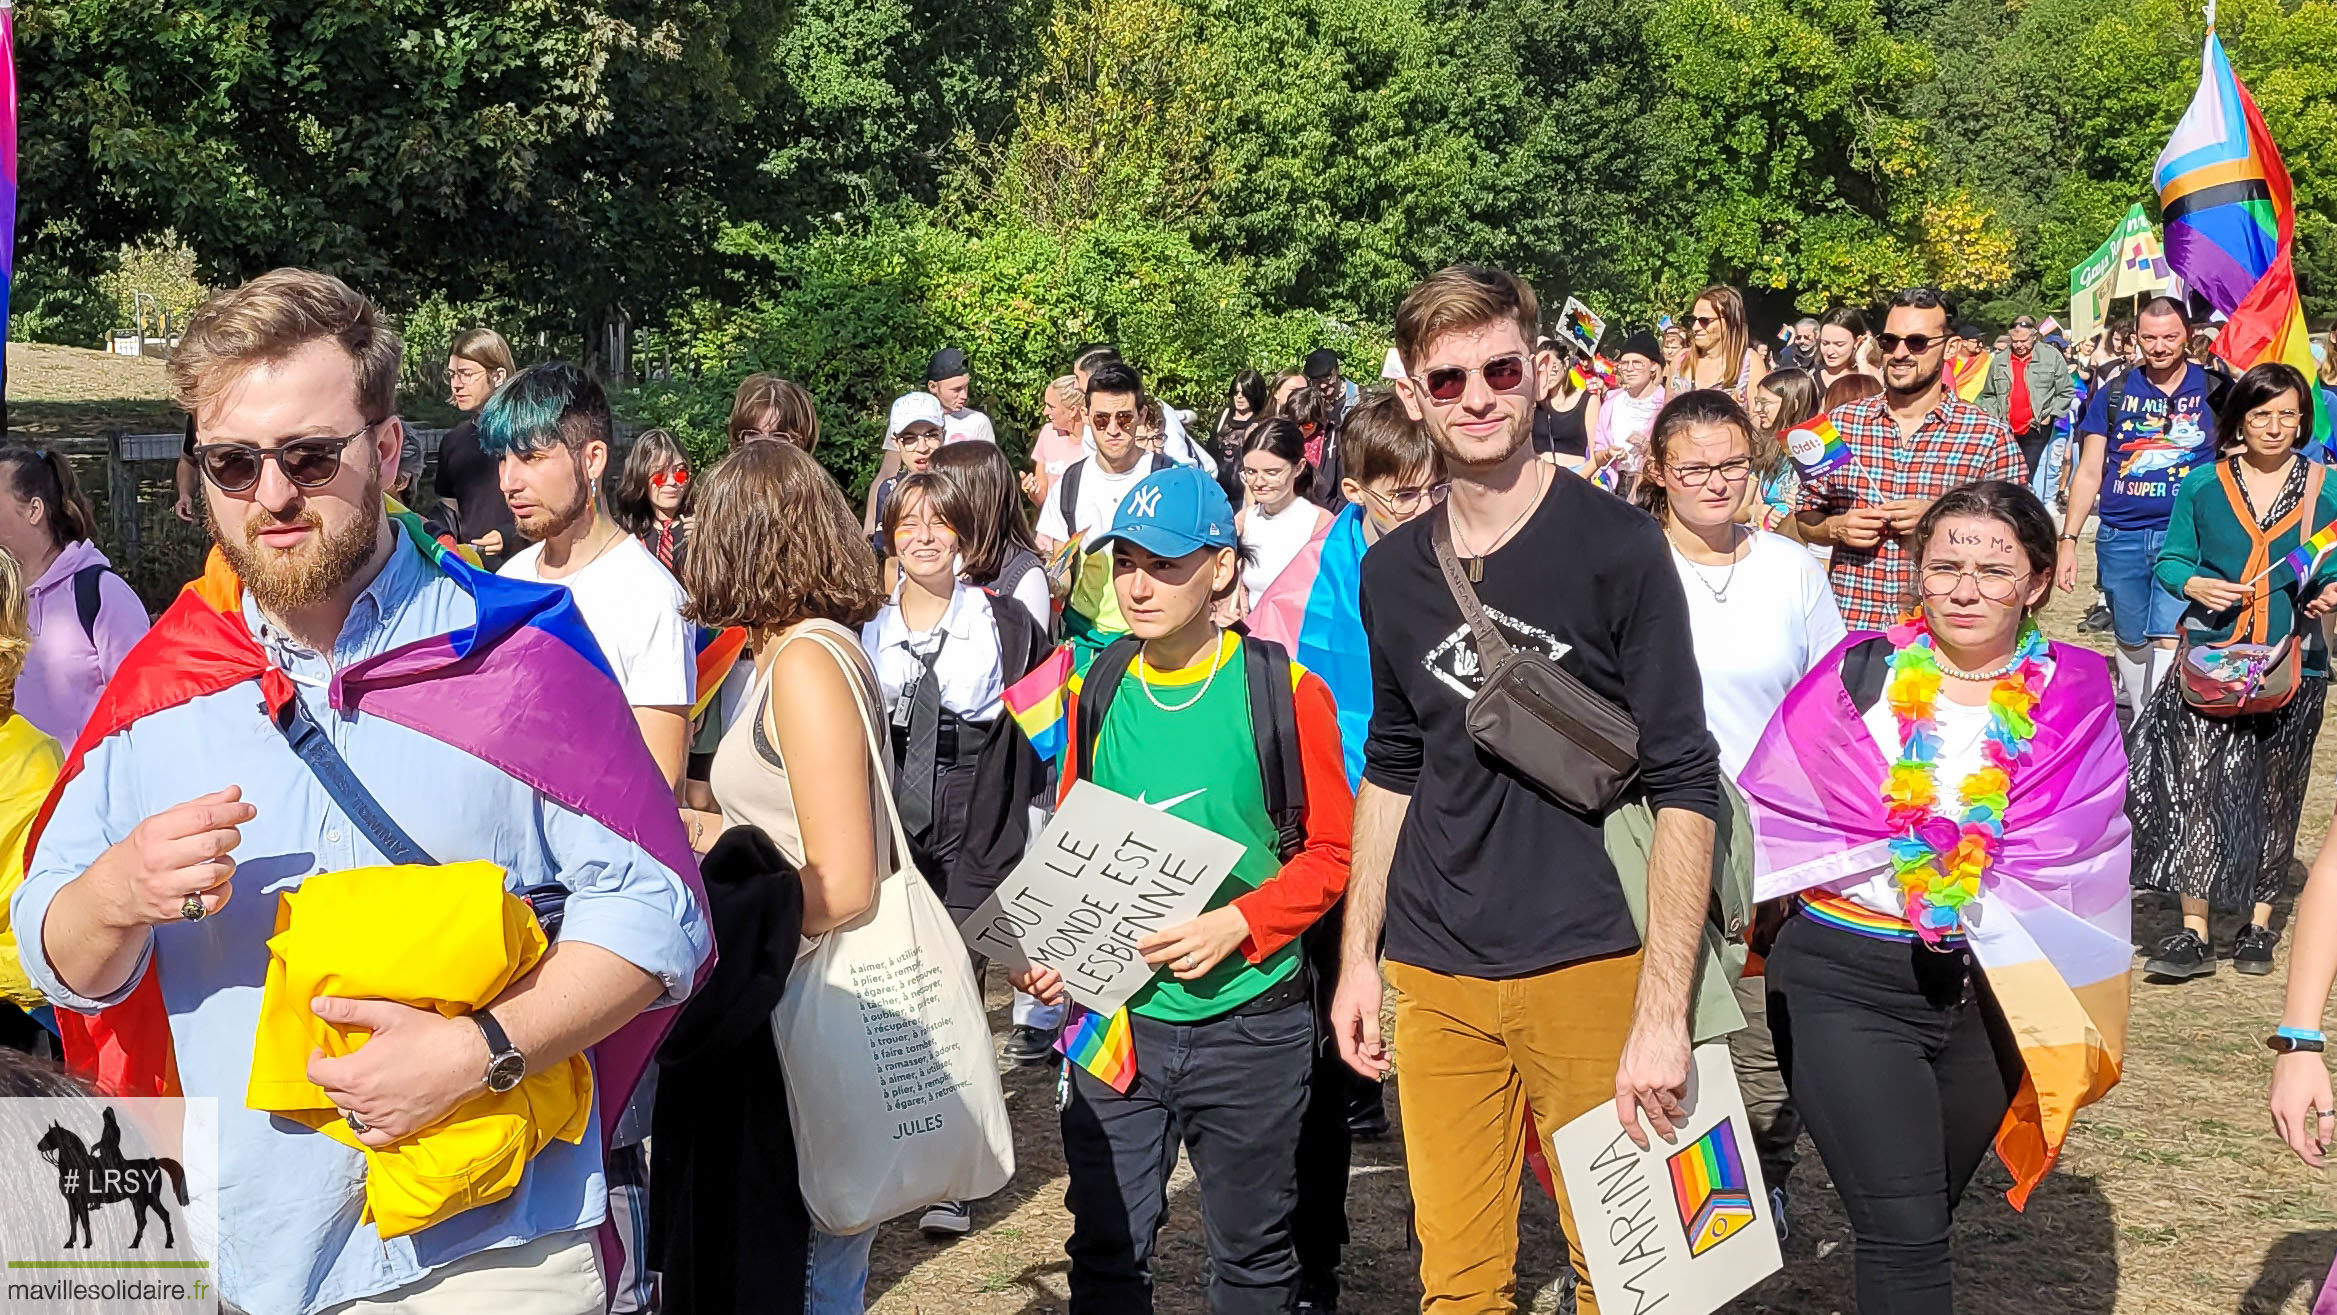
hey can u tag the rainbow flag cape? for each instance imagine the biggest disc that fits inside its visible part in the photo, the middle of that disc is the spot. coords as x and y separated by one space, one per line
524 688
1816 446
1103 1046
1040 704
718 652
1969 376
1314 610
2054 924
2230 217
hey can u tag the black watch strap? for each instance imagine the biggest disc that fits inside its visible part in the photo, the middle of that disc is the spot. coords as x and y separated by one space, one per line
2289 1045
498 1042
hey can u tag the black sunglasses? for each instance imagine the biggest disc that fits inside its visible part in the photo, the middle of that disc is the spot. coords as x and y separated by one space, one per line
1502 374
1917 343
308 462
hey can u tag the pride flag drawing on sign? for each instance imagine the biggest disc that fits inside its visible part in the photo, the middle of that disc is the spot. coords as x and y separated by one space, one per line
1816 447
1710 1188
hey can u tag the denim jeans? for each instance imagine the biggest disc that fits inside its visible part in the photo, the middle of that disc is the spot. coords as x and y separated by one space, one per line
1233 1090
2045 480
2141 609
837 1283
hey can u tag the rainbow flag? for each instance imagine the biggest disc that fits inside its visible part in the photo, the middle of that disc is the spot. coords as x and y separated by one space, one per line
718 652
1040 703
1103 1046
1816 447
1709 1185
2309 553
2230 217
7 160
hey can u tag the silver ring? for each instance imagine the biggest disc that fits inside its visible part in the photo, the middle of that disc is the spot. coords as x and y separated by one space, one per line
355 1123
1187 962
192 908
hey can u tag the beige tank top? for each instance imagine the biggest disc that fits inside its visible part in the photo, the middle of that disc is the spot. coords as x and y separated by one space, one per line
749 778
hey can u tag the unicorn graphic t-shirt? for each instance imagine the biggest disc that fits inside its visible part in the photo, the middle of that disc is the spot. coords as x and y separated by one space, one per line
2153 442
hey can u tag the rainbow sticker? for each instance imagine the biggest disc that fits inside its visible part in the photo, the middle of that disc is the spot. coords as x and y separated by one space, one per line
1710 1187
1816 447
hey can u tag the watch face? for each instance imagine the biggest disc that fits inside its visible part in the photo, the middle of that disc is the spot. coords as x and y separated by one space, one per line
506 1071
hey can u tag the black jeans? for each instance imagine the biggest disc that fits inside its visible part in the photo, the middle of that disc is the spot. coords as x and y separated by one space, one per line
1318 1224
1232 1090
1902 1068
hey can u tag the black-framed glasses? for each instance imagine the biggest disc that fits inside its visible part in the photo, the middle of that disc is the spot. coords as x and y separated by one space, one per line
1502 374
1735 470
1916 343
308 462
1997 584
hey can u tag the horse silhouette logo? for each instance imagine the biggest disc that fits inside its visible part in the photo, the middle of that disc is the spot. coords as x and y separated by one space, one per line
88 1178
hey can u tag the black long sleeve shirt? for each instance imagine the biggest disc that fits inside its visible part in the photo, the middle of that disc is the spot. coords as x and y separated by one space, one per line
1492 878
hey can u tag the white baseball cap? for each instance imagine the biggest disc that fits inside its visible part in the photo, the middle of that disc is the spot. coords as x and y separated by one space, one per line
909 408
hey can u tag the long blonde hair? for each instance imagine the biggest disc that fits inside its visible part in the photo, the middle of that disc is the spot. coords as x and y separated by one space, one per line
1735 338
15 631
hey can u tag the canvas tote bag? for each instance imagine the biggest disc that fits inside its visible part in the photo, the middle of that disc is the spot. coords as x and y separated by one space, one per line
891 1080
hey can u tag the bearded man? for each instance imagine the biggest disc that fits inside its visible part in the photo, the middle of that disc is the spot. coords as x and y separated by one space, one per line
337 692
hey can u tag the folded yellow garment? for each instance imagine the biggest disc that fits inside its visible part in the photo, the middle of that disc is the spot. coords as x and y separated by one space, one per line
447 938
29 762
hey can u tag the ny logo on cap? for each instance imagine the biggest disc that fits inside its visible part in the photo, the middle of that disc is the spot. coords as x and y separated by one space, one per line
1147 503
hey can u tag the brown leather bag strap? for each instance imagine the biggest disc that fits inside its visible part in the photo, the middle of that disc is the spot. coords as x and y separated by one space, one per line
1492 649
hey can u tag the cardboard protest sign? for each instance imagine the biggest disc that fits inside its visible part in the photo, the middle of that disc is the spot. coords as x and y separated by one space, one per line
1580 325
1106 873
1684 1226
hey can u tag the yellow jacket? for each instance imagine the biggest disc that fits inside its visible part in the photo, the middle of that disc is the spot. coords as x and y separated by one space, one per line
29 763
447 938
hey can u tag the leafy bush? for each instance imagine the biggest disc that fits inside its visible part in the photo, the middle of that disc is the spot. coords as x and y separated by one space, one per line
852 316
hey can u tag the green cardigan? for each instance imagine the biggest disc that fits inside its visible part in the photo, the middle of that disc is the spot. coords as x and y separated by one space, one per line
2205 537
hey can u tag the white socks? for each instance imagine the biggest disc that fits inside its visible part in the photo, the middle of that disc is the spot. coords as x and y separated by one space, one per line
2134 677
2162 661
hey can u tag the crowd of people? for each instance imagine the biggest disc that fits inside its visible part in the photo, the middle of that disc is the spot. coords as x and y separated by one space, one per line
1493 670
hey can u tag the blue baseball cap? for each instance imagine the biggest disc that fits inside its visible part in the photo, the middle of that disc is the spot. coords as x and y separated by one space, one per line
1173 512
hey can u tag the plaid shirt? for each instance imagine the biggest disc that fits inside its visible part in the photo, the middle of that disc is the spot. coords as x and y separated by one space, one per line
1957 444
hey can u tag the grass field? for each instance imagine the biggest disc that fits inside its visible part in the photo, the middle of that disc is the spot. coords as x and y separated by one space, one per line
2173 1198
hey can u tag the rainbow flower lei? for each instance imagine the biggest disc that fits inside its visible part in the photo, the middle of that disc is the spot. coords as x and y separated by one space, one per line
1939 862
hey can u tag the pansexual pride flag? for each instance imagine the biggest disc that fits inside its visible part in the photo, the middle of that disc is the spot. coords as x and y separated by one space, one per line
2230 218
1040 703
2053 929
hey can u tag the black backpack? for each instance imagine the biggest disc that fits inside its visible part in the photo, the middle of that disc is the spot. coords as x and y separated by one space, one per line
1280 769
1068 486
2219 387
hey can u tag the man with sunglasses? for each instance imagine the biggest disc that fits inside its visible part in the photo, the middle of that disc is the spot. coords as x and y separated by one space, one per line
551 430
1519 973
1088 496
334 691
1909 445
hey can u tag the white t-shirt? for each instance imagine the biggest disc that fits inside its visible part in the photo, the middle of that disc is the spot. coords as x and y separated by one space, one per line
1963 735
1277 540
633 607
965 426
1100 492
1751 650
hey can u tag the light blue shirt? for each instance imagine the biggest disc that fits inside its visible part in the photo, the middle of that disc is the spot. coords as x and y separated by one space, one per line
289 1198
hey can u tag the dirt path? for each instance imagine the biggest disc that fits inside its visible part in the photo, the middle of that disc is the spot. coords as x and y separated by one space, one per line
2173 1197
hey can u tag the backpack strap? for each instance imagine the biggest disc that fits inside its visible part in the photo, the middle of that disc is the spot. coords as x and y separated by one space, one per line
1067 488
1096 689
86 598
1274 719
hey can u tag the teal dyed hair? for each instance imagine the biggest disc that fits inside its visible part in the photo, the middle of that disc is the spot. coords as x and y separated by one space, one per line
544 405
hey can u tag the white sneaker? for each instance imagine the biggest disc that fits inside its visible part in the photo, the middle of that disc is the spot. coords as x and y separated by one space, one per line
946 1219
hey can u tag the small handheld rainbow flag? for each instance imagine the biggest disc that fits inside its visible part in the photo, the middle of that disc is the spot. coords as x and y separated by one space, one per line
1816 447
718 652
1103 1046
1040 703
2309 553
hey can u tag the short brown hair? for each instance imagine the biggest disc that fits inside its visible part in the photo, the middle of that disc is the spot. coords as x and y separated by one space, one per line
923 483
484 347
774 405
983 504
275 315
775 544
1463 297
1379 439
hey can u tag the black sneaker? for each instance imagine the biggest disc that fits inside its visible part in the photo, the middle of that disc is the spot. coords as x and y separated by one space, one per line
2182 955
1368 1122
1027 1046
2252 950
2097 620
946 1219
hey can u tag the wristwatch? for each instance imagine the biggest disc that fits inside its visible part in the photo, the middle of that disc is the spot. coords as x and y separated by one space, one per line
2289 1040
505 1065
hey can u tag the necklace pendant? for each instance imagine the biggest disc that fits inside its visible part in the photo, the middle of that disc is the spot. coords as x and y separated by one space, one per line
1476 570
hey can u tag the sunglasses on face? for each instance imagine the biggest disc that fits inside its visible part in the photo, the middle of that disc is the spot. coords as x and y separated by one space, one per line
1915 343
308 462
1114 420
679 478
1502 374
1704 321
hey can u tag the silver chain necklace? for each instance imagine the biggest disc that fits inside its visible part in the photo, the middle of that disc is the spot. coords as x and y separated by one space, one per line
1719 595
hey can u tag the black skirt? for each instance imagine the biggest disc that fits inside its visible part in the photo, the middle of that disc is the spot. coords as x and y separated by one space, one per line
2215 800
